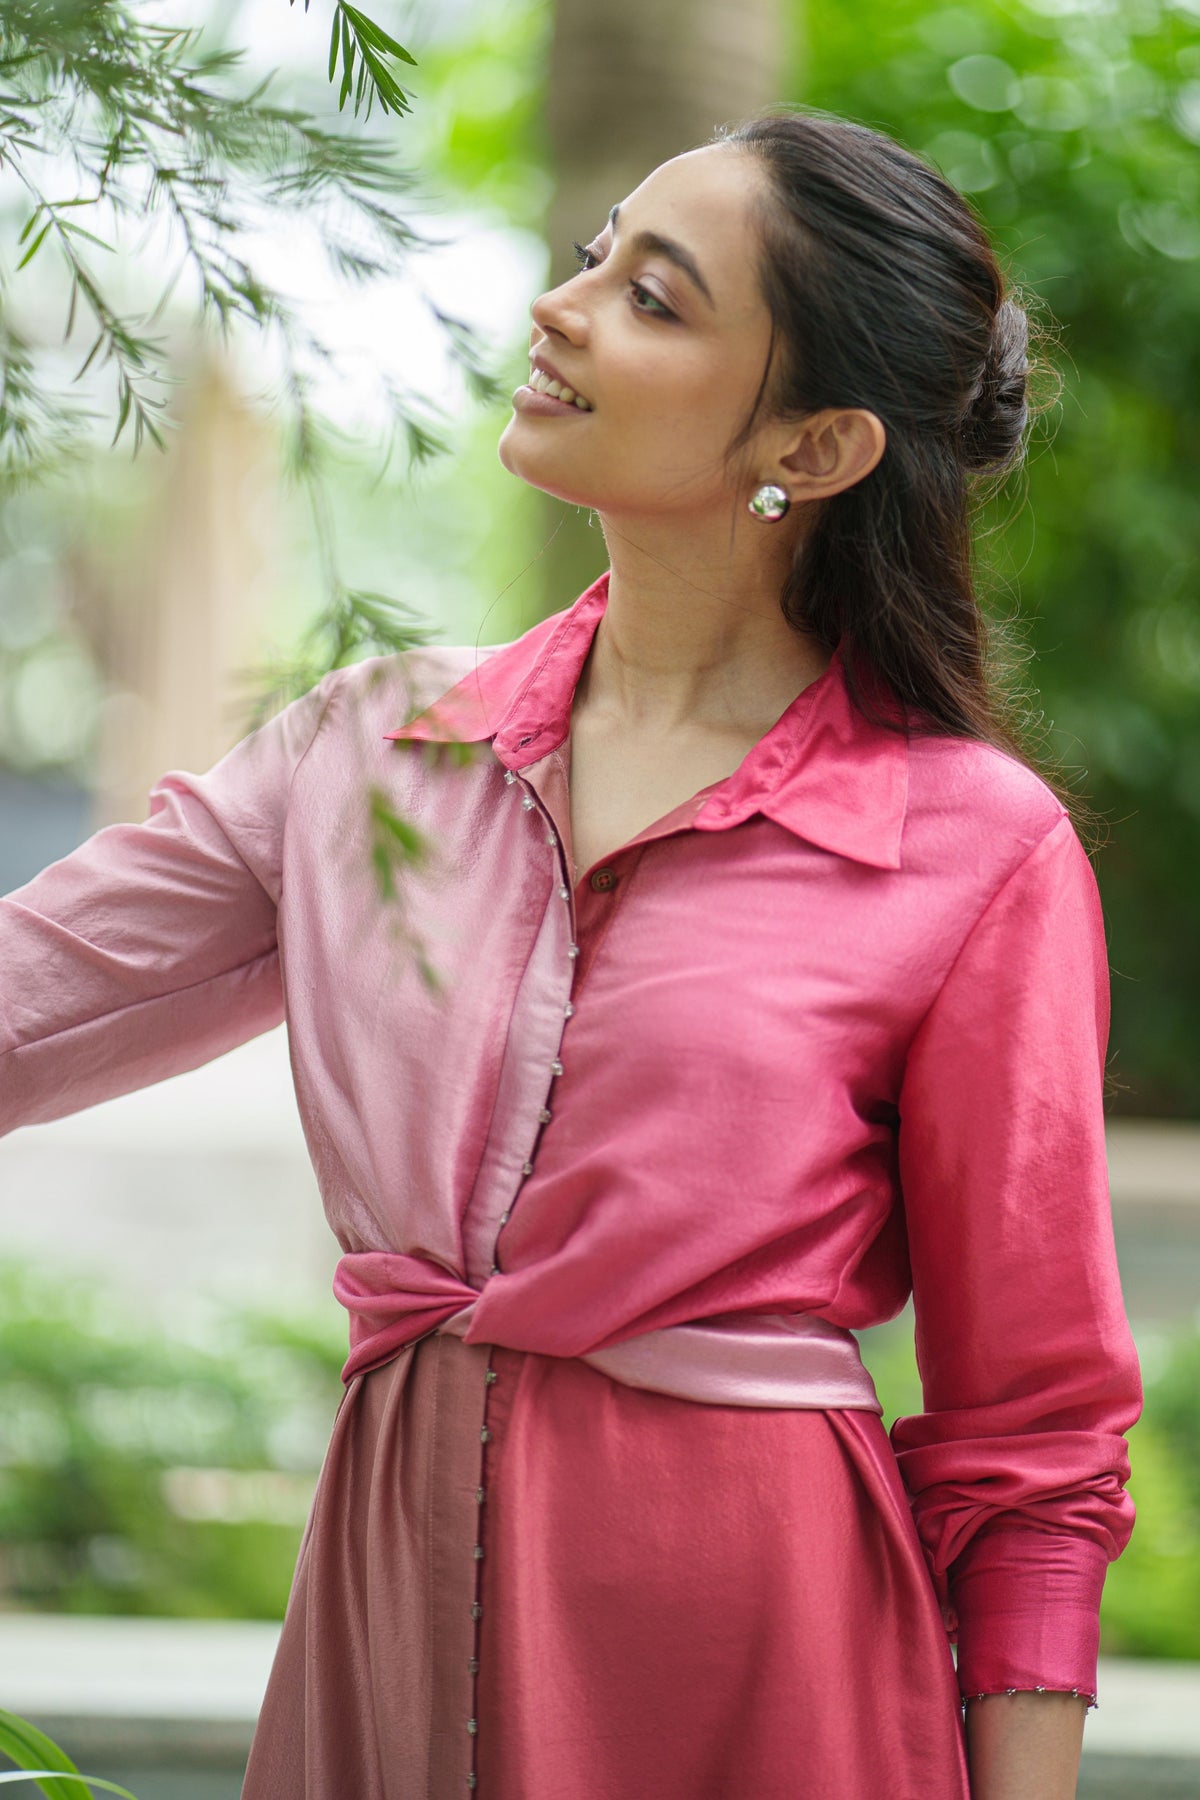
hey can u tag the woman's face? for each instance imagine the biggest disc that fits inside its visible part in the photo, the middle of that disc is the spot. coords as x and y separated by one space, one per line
665 333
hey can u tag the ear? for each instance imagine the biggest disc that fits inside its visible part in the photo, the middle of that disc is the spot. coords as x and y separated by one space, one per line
830 451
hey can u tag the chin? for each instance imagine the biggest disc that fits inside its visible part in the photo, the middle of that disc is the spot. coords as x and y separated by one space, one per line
526 466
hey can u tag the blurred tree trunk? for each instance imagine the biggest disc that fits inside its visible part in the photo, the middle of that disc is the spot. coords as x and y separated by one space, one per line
633 82
187 623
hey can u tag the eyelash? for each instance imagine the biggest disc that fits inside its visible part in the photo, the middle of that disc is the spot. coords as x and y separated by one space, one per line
587 260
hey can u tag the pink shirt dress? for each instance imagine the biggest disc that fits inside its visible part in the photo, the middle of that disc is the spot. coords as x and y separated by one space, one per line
618 1165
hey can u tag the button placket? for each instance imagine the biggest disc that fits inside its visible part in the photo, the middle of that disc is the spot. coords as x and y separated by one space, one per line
478 1551
529 803
491 1376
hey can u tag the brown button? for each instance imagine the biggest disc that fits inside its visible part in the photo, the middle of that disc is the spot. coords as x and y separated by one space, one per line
602 881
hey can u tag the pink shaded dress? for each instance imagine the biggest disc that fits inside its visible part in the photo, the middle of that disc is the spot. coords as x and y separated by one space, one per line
617 1167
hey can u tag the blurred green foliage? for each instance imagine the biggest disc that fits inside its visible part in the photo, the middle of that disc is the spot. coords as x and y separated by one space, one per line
1151 1604
1073 127
151 1475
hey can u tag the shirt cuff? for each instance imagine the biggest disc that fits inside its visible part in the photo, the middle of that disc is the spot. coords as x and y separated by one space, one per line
1028 1606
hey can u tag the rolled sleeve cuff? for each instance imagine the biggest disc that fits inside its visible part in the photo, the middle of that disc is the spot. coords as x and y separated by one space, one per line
1028 1606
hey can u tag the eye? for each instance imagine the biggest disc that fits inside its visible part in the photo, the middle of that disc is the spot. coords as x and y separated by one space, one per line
659 310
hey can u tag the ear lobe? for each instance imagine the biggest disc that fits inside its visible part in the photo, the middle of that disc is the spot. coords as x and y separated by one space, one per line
836 450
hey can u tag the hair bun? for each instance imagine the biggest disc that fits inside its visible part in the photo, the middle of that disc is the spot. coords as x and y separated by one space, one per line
997 409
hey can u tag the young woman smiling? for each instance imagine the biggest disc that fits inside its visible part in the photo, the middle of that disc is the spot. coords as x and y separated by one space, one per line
772 987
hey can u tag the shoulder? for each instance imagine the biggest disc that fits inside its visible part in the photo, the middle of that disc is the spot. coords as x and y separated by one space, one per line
976 806
363 702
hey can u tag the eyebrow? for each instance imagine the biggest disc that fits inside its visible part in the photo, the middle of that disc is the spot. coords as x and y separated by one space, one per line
651 244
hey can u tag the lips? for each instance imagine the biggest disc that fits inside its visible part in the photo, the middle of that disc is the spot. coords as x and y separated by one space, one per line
545 379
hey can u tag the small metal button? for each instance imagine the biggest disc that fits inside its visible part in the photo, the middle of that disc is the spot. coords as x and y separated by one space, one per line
527 802
527 1168
509 777
564 893
495 1269
477 1552
471 1781
568 1009
504 1218
556 1067
479 1496
551 839
473 1665
490 1375
572 950
476 1610
602 881
544 1116
472 1726
485 1436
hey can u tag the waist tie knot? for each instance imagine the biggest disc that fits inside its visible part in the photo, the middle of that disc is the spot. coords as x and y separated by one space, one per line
732 1359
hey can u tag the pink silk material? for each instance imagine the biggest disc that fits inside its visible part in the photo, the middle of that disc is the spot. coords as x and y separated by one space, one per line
784 1360
830 1032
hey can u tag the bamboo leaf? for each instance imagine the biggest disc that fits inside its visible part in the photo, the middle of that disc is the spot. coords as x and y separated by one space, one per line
333 41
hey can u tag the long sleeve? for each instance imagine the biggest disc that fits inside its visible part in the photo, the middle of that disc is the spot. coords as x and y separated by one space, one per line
152 948
1016 1468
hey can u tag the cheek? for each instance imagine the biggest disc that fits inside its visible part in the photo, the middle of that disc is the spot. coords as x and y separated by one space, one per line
665 414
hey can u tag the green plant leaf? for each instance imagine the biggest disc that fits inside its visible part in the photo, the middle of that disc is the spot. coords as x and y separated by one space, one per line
36 245
368 31
333 40
70 1792
41 1760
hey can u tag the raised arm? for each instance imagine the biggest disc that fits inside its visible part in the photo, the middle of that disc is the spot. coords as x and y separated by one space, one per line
1016 1468
151 948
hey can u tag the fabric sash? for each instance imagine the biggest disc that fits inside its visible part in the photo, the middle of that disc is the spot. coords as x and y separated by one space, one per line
732 1359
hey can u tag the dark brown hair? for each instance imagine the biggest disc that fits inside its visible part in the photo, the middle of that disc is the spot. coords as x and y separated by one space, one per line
885 293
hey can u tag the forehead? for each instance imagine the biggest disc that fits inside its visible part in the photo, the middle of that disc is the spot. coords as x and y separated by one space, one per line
705 200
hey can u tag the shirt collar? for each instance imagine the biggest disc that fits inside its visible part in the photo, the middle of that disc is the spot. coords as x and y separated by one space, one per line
824 771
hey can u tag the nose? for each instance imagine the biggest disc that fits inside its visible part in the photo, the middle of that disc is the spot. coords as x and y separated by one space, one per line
558 312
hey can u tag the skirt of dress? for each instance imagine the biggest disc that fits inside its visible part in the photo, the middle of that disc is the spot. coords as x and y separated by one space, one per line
525 1581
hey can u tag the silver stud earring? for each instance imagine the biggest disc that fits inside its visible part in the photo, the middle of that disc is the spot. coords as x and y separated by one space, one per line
769 502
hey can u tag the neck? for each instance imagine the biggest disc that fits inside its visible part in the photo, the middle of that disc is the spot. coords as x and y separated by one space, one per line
693 635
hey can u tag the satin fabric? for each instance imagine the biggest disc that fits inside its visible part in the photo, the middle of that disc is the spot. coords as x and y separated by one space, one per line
746 1359
679 1601
832 1029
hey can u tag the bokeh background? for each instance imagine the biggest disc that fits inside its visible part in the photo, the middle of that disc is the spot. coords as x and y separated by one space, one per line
168 1347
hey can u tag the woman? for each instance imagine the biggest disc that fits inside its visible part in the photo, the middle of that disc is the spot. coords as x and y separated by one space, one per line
768 983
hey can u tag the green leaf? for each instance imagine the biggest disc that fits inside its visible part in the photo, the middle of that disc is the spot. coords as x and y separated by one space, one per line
36 245
41 1760
333 41
69 1784
368 31
347 60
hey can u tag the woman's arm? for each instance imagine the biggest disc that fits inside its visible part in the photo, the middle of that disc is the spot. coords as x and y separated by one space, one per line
1016 1467
1024 1746
151 948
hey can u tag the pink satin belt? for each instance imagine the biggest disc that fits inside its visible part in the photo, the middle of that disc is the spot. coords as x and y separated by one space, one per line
733 1359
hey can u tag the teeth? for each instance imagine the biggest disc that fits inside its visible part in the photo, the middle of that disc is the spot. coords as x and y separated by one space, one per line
545 384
